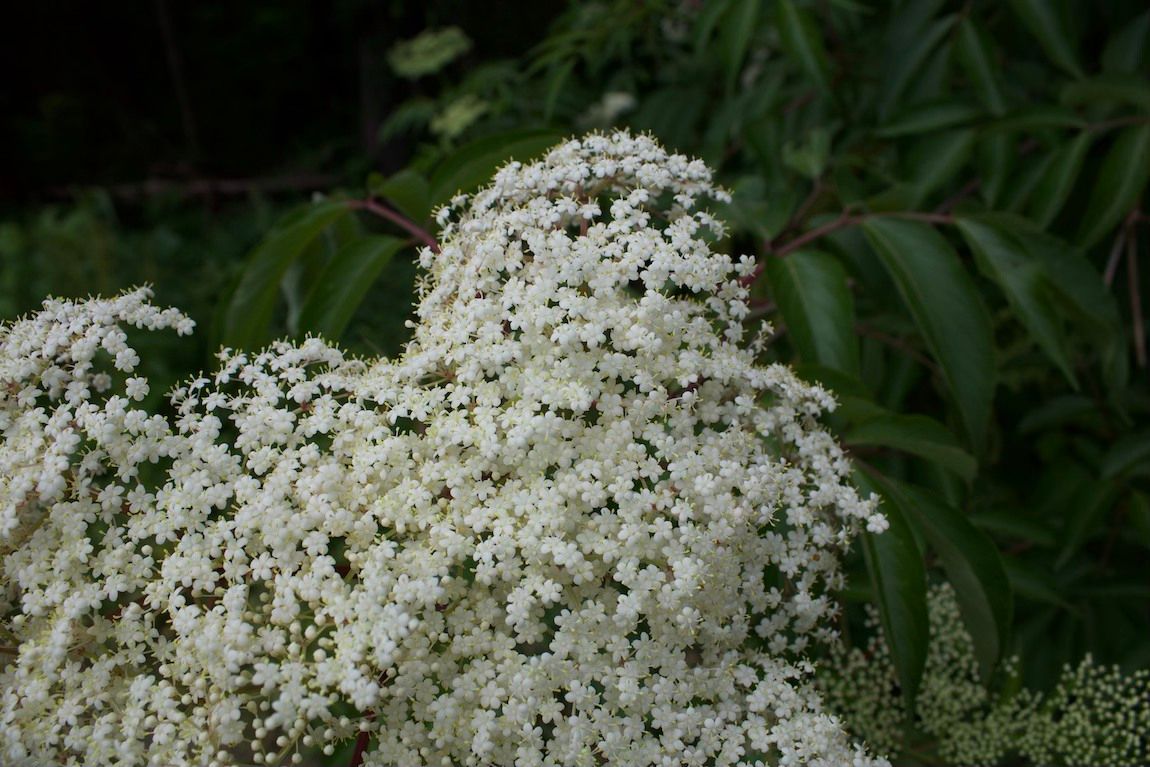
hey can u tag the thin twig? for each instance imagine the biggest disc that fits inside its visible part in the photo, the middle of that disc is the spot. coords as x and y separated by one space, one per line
1117 122
1115 256
801 213
176 69
399 220
846 220
842 222
1135 298
967 190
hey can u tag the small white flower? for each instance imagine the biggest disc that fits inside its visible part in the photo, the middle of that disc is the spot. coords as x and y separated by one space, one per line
538 537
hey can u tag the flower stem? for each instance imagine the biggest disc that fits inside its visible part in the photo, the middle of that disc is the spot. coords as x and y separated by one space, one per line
399 220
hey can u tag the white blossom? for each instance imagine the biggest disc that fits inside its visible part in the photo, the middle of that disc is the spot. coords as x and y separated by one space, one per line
573 524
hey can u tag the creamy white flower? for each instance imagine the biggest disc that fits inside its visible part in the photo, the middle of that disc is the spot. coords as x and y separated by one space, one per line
573 523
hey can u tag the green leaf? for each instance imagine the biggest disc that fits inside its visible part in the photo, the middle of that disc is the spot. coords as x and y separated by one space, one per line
1045 19
466 169
1077 285
906 56
1089 505
928 118
1057 182
739 26
894 565
948 310
1138 512
996 157
810 288
1022 279
707 21
976 54
1062 412
408 191
555 87
1108 89
801 39
1013 523
1126 48
1120 182
247 317
1031 582
810 157
972 565
755 207
1130 454
917 435
1115 589
341 287
936 160
1037 118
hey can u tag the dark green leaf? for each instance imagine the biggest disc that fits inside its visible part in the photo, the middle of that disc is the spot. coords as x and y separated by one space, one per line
555 87
976 53
906 57
1046 20
948 311
738 28
1138 511
1037 118
247 319
802 40
855 401
928 118
1013 523
972 565
935 160
759 209
1091 502
1116 589
895 567
408 192
1076 282
672 113
1056 184
708 19
1060 412
466 169
1032 582
917 435
1126 49
810 288
1129 454
996 158
1104 89
808 158
1120 182
341 287
1022 278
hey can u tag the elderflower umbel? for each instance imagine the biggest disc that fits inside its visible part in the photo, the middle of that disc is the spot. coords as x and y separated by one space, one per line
1096 715
573 524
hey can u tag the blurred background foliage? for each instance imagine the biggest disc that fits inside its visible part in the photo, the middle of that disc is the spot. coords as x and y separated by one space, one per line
947 200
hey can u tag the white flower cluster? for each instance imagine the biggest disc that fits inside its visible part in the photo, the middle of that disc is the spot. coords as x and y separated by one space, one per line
1095 715
574 524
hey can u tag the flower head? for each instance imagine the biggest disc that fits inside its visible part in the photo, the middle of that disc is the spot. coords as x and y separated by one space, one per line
574 523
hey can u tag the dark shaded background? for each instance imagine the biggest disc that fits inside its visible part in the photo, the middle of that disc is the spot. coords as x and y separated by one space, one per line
117 93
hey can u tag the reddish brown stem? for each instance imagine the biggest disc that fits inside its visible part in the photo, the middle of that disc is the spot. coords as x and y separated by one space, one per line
847 220
1115 256
1135 299
967 190
361 742
399 220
